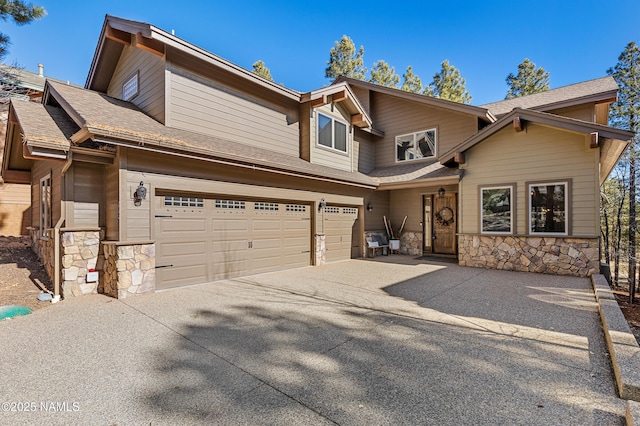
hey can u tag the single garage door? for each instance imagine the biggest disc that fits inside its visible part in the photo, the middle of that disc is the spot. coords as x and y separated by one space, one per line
339 232
200 240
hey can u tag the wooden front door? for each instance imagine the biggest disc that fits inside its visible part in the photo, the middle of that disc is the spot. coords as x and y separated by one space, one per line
445 221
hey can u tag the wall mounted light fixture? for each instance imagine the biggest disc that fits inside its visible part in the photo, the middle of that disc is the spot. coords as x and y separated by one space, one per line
441 192
369 207
322 204
140 194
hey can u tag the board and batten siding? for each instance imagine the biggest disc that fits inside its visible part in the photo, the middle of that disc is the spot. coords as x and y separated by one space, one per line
151 80
111 188
396 116
365 149
536 154
88 196
327 156
579 112
206 107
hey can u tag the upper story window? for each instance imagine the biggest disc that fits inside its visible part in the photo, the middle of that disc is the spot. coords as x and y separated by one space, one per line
549 208
130 88
416 146
332 133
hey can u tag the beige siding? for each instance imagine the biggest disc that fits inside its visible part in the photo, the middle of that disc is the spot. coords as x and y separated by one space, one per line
407 202
365 151
327 156
111 188
580 112
15 209
151 80
205 107
373 219
396 116
363 97
41 169
536 154
88 196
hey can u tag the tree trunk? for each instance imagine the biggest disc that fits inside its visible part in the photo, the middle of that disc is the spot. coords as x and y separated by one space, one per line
632 225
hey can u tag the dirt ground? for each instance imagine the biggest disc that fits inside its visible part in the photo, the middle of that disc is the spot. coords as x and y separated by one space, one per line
21 274
22 279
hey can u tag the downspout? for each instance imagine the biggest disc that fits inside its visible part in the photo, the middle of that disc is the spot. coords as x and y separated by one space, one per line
56 233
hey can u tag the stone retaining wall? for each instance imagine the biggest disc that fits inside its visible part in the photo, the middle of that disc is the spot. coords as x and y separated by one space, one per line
129 269
411 243
550 255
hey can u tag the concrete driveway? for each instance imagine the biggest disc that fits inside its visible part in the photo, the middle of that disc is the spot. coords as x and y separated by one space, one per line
389 341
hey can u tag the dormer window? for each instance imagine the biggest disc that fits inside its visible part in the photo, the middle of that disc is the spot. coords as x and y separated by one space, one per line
416 146
130 88
332 133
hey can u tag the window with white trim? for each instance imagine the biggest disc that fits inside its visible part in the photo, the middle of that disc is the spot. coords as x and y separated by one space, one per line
548 208
496 213
130 88
332 133
45 205
416 146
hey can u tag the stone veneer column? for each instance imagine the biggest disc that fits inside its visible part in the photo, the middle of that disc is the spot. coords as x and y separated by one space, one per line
79 253
129 268
551 255
321 249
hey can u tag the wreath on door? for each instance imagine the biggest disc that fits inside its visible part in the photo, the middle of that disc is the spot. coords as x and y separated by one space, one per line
444 217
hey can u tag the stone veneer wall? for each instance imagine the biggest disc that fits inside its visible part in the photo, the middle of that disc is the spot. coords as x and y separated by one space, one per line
550 255
411 243
129 269
79 252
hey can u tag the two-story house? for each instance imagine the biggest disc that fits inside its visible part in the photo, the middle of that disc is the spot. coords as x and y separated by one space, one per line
175 167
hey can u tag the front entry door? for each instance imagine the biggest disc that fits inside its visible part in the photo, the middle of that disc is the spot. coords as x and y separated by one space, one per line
444 224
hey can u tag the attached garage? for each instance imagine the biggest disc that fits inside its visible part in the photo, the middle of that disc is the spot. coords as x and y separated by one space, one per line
205 239
339 225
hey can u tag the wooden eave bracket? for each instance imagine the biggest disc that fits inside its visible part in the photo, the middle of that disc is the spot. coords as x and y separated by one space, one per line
458 157
517 124
358 120
595 140
150 45
119 36
318 102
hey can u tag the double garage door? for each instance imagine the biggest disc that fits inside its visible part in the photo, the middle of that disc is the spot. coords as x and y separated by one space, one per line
200 239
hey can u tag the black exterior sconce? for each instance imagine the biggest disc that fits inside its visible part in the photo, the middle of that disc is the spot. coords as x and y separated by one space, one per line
139 195
369 207
441 192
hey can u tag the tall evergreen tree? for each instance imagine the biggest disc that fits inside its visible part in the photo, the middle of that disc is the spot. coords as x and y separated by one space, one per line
260 69
625 114
529 80
345 60
411 82
448 84
384 75
20 13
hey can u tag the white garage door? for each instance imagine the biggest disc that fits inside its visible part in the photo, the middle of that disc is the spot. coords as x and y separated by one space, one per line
339 232
200 240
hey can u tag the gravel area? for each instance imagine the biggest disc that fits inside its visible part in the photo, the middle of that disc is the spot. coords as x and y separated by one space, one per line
22 277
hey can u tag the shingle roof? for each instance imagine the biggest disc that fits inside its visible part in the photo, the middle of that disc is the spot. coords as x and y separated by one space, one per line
112 118
554 98
412 172
45 126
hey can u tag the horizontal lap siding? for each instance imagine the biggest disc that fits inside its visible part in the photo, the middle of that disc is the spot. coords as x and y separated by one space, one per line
395 116
203 107
88 195
326 156
536 154
151 80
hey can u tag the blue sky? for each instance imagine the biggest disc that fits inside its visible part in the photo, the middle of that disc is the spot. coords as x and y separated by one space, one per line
486 40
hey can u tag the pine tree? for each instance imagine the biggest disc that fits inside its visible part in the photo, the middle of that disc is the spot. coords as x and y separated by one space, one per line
260 69
625 114
448 84
411 82
345 61
20 13
529 80
384 75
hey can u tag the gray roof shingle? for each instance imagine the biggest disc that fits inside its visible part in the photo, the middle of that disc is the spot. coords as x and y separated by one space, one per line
412 172
549 99
46 126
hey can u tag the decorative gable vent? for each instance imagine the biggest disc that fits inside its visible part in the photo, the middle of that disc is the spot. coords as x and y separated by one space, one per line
130 88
